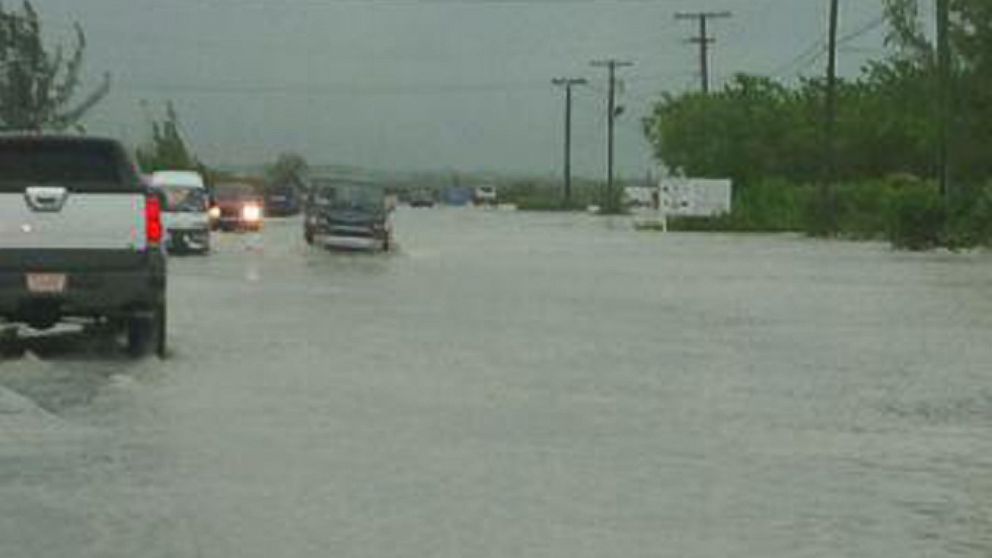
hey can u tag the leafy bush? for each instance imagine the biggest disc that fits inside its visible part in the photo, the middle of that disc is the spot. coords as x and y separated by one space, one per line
910 213
862 208
970 219
770 205
920 218
917 218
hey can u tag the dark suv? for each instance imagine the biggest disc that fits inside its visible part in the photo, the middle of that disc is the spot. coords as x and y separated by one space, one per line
80 238
348 214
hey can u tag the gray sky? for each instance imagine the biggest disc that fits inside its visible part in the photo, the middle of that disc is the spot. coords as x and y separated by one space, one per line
408 84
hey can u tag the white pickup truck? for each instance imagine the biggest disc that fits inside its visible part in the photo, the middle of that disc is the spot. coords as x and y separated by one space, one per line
80 238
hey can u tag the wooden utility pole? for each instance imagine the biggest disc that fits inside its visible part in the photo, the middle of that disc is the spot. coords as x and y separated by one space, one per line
944 95
830 124
704 41
568 83
611 114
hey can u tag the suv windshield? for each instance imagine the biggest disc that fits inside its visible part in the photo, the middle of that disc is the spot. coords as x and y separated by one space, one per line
231 192
90 166
187 200
351 197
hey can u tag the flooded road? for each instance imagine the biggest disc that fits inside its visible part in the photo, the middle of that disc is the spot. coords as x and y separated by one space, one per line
520 385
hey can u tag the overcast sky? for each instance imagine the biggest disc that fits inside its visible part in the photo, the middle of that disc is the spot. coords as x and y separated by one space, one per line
417 84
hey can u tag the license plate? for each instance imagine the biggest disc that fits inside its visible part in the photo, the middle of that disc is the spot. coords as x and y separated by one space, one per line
46 283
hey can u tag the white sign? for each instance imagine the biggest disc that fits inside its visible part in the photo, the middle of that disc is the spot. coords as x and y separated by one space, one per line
696 197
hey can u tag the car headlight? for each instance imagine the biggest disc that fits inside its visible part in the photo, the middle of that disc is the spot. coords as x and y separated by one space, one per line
251 213
214 212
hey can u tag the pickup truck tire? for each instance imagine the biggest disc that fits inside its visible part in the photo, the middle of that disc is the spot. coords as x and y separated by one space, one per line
145 333
139 334
161 333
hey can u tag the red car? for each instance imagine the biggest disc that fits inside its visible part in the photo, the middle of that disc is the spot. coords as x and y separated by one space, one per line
237 207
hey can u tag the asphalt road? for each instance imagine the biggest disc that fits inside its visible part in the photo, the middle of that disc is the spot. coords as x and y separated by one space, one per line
519 385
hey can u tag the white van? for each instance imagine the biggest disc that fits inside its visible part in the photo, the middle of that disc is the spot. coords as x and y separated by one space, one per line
485 195
185 207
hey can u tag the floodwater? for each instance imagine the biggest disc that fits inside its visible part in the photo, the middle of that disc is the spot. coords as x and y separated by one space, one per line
520 385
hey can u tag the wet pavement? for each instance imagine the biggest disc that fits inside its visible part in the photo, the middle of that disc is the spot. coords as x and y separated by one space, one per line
519 385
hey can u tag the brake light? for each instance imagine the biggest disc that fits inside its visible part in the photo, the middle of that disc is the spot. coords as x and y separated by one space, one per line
153 220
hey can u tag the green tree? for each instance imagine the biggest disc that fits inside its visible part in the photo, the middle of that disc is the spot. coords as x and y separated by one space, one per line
752 128
167 150
289 169
756 128
888 119
38 87
971 47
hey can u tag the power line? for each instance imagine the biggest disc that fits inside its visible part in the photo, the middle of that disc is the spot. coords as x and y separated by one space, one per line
333 89
703 40
875 23
818 48
804 59
318 90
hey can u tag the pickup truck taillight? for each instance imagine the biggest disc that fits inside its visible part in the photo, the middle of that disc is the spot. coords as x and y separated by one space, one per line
153 220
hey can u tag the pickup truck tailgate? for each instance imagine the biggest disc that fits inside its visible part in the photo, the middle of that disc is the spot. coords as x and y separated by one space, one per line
83 222
69 202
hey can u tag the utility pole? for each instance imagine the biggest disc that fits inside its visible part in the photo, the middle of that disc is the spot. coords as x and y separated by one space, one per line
703 40
611 113
944 95
831 87
831 121
568 83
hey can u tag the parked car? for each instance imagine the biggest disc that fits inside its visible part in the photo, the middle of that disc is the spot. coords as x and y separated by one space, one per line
282 201
185 210
485 195
238 207
348 214
80 238
422 198
458 196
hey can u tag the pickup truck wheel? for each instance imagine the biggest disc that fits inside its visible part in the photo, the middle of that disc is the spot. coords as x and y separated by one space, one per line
9 342
161 331
139 335
147 332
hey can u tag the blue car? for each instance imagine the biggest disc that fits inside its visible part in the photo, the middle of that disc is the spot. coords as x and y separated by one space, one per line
282 201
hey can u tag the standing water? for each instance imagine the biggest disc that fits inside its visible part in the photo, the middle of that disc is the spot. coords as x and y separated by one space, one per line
520 385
